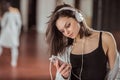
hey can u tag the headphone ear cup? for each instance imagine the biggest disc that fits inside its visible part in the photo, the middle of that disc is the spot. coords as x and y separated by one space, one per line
78 16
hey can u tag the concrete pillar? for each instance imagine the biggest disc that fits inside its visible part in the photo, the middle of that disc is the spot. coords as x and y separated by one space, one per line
24 13
44 9
86 6
71 2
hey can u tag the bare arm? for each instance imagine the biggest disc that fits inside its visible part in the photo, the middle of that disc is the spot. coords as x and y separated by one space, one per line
111 49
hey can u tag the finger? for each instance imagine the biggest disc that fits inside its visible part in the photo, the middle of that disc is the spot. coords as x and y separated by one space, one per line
62 67
66 72
57 64
67 69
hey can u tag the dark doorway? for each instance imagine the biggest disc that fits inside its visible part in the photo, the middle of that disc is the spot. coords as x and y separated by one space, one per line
106 16
77 4
32 15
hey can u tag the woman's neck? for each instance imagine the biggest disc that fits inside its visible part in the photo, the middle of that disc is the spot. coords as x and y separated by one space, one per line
78 39
78 36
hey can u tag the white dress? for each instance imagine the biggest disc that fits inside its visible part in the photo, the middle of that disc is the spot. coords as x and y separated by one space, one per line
10 29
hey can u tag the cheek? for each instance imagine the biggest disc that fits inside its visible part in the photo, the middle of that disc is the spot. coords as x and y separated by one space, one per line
76 29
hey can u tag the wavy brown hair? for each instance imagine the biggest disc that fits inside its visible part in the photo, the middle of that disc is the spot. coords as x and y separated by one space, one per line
56 40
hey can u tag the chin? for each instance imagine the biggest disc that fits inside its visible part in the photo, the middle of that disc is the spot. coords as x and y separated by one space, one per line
73 37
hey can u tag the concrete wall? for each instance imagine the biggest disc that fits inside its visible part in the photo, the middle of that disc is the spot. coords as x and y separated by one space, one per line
86 6
45 7
24 13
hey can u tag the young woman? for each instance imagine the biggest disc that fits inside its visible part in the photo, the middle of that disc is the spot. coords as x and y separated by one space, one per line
86 54
10 30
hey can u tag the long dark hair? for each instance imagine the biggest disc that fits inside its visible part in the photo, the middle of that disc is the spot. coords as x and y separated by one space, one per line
56 40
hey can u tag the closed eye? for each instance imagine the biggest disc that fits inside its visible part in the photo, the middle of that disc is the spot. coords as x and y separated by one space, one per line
62 31
68 25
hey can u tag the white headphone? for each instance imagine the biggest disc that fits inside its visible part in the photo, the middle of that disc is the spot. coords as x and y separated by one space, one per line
78 15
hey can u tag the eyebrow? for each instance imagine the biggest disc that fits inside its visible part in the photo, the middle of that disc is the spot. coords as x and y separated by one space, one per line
65 24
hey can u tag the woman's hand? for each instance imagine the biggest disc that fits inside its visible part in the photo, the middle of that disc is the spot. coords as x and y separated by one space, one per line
64 69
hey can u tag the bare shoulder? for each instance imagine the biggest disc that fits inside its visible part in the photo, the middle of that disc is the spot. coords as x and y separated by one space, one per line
14 10
108 37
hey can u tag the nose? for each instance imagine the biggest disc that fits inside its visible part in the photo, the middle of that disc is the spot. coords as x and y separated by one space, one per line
67 32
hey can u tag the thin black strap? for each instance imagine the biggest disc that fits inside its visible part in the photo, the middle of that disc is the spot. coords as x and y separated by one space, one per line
100 39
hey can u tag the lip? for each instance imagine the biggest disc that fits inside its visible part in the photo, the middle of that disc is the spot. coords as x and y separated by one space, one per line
71 34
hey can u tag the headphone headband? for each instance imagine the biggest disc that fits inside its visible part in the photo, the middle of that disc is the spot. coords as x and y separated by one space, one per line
78 15
66 8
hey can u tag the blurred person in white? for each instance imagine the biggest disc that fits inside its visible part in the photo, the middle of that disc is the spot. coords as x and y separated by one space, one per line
10 30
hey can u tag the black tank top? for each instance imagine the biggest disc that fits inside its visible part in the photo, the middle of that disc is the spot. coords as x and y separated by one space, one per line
94 64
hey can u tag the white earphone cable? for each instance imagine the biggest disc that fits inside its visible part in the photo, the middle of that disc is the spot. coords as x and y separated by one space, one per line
81 69
50 70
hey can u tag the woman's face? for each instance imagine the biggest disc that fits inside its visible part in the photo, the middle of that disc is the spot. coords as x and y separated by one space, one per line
68 26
